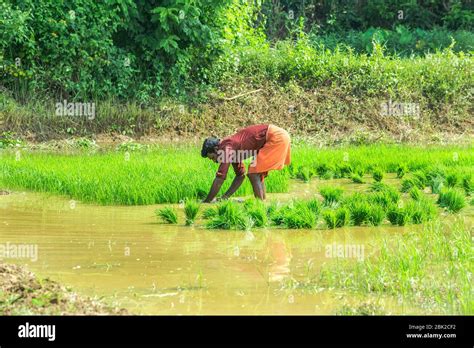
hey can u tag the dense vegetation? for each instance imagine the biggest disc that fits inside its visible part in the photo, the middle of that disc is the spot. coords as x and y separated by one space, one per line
351 53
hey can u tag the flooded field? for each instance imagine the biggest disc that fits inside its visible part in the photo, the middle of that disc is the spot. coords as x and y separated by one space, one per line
123 255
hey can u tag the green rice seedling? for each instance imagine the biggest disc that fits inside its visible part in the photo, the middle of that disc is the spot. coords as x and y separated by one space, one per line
359 212
452 199
379 198
437 184
375 215
329 217
299 216
402 169
304 173
468 184
378 187
332 195
276 213
421 210
472 201
398 215
168 214
377 175
191 209
357 179
452 180
257 211
314 205
409 183
209 213
230 215
421 177
343 217
344 171
415 194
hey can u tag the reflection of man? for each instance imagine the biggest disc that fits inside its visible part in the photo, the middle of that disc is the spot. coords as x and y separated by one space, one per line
280 267
269 142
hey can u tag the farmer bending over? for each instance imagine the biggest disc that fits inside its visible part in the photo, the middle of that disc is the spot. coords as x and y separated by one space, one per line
269 146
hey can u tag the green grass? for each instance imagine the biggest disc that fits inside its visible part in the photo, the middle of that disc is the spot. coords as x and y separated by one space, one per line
191 209
452 199
168 215
427 267
299 215
230 215
356 178
170 174
257 211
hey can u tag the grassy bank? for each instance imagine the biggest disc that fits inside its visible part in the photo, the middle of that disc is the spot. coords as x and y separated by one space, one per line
23 293
412 267
169 174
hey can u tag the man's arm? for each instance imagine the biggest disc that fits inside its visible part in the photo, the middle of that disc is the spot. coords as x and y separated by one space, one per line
216 186
238 180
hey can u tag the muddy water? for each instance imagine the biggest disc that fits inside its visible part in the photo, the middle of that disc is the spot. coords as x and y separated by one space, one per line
124 256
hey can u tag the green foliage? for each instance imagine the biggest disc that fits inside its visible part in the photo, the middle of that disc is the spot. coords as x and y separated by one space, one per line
168 215
468 184
399 215
452 199
359 210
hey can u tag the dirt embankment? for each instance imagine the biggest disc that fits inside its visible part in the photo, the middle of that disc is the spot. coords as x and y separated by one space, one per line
325 113
23 293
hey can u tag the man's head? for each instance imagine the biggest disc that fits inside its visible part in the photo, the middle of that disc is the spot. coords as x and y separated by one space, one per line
209 148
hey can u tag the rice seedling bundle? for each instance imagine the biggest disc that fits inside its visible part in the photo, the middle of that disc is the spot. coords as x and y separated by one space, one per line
452 199
299 215
230 215
257 211
191 209
377 175
402 169
375 215
168 215
332 195
357 179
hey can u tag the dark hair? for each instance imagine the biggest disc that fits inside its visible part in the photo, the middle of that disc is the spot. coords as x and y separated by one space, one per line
209 145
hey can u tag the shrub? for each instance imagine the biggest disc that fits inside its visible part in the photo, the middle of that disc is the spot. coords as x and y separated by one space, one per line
168 214
452 199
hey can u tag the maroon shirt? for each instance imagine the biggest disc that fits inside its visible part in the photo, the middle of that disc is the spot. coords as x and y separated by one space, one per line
243 144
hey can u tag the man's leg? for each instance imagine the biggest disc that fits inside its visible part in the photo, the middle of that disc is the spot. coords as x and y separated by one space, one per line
262 178
257 185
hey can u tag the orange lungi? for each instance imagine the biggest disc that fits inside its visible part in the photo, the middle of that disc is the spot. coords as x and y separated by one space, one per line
275 154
